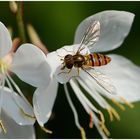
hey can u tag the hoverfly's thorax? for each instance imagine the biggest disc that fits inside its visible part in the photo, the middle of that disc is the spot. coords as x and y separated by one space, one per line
79 60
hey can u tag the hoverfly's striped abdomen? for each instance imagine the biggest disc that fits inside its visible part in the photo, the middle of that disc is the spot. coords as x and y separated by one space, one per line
97 59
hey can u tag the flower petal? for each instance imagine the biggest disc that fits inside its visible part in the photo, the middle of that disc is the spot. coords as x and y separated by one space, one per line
125 75
43 101
5 40
115 26
16 108
15 131
29 63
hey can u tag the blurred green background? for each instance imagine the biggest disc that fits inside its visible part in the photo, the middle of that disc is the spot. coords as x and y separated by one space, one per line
56 23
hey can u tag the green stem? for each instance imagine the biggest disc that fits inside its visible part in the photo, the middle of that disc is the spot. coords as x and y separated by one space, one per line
20 23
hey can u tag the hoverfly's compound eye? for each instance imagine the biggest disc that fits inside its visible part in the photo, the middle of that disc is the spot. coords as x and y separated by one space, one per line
68 56
69 61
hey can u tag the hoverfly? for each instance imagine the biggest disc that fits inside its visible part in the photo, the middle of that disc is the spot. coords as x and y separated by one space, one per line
89 61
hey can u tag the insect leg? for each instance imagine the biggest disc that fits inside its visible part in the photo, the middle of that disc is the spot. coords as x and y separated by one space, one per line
62 57
78 71
64 72
63 67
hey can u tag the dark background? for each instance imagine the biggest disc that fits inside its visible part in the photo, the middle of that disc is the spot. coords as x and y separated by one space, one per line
56 23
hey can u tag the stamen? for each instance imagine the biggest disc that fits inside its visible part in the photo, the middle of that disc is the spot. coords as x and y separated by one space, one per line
91 120
2 126
2 83
27 115
103 127
112 112
46 130
16 87
126 102
72 107
118 104
102 117
20 93
83 134
22 111
3 66
102 124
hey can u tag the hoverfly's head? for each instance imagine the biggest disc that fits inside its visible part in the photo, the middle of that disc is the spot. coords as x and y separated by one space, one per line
68 60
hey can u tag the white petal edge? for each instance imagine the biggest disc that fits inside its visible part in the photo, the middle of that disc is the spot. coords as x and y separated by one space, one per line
115 26
43 101
29 64
15 131
5 40
126 77
13 104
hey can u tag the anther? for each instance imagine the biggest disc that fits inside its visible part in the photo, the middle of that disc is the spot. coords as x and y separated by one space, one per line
27 115
83 134
118 104
101 117
3 66
112 112
126 102
2 126
46 130
91 120
103 127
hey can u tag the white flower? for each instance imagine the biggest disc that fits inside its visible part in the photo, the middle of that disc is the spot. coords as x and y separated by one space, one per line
13 102
115 26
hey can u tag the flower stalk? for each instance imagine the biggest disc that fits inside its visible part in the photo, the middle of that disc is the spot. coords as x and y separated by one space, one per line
20 23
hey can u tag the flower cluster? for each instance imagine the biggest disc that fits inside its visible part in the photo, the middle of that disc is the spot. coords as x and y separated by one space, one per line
118 80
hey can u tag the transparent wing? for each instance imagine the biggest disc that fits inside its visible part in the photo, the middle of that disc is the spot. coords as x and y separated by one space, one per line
102 80
91 35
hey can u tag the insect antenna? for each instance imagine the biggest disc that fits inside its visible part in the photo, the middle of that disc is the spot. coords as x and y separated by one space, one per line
62 57
67 50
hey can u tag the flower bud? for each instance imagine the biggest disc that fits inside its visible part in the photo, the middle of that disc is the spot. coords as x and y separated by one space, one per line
35 38
13 6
